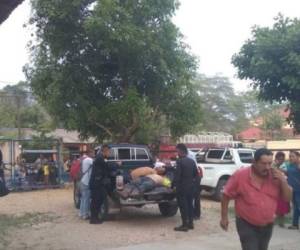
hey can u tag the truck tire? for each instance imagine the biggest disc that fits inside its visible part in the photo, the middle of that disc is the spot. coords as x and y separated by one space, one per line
168 209
219 190
76 195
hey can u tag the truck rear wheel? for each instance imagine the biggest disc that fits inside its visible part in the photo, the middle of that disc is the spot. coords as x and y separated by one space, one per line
76 195
168 209
219 190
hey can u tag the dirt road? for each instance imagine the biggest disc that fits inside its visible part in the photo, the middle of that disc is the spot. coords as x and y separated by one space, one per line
63 230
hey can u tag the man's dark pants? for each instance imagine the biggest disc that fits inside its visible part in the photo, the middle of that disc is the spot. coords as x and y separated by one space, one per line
197 201
98 197
253 237
185 203
296 208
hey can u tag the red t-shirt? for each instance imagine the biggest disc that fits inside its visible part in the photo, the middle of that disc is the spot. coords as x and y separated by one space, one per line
255 204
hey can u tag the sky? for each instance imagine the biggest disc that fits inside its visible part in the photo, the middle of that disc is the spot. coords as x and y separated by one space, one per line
214 30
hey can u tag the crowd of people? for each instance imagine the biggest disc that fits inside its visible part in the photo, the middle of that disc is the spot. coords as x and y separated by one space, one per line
261 192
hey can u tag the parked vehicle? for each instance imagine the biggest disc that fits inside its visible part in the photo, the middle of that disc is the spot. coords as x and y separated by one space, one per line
130 157
218 164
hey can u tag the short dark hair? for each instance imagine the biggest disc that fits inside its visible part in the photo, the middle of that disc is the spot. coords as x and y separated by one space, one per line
182 148
105 146
279 154
260 152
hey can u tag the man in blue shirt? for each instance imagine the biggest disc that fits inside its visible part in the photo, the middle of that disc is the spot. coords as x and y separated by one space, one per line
293 174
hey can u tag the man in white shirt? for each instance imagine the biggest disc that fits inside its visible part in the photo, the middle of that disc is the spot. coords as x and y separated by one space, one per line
86 170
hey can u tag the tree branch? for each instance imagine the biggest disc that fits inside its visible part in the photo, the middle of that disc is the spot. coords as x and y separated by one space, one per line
104 128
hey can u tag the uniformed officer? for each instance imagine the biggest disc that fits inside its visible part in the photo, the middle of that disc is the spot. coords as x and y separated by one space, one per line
185 178
98 184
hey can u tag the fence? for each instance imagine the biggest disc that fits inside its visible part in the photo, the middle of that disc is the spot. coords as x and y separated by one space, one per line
32 164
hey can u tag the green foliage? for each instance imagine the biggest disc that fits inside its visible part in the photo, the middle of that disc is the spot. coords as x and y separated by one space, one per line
112 69
271 59
273 121
18 108
223 110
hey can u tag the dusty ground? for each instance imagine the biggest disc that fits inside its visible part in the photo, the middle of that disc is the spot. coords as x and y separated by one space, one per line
66 231
59 228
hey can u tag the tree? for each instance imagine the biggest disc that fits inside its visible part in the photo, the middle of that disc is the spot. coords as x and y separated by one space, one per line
223 109
272 124
110 68
271 59
18 109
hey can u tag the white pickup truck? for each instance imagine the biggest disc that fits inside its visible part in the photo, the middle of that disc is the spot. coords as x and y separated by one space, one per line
218 164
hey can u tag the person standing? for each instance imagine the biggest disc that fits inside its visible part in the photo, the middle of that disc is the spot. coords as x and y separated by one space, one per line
255 190
293 173
98 184
283 207
197 187
86 170
184 181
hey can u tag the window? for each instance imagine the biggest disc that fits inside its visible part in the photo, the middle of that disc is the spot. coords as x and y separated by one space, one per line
124 154
246 157
141 154
215 154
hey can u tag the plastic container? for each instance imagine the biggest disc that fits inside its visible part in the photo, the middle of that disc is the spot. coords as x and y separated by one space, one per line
120 182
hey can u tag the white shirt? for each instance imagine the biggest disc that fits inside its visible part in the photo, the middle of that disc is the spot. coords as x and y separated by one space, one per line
87 169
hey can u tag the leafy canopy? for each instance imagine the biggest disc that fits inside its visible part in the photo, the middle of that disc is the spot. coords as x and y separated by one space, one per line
18 108
109 68
271 59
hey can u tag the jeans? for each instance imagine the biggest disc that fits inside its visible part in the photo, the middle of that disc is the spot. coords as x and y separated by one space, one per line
85 200
296 208
253 237
185 203
144 184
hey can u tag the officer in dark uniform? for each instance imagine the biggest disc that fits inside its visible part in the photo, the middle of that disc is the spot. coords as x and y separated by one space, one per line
185 178
98 184
197 195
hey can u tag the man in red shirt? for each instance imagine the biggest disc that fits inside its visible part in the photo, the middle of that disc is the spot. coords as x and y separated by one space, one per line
255 190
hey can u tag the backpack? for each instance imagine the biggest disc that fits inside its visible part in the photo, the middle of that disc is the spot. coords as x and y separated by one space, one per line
76 169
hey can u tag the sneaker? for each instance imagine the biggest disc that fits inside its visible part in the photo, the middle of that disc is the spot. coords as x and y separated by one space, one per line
181 228
293 227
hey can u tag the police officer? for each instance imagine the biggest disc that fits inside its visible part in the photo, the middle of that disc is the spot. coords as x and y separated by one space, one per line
184 181
98 184
197 187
